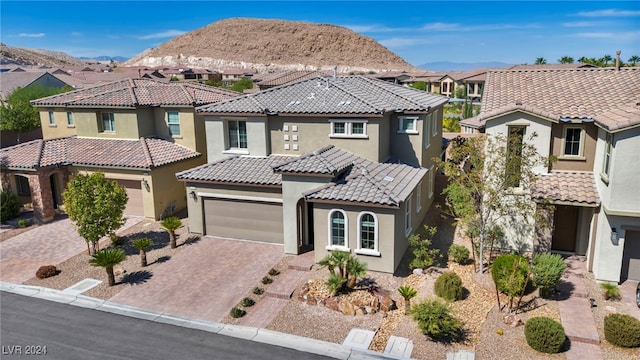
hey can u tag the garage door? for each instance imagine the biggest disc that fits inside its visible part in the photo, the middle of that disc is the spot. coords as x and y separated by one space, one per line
631 256
248 220
135 207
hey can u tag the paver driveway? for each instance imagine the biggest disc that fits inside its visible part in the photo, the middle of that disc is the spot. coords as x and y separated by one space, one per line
206 279
47 244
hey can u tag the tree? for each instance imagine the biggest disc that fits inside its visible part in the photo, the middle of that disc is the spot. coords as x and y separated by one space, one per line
17 114
565 60
633 60
344 270
583 60
142 244
460 92
540 61
451 124
108 258
482 173
467 110
605 59
420 244
242 84
420 85
95 205
171 224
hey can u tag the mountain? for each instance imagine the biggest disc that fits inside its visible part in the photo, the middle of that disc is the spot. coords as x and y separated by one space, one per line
106 58
273 44
26 56
454 66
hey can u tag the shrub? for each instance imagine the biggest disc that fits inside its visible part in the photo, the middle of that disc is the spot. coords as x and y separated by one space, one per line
622 330
436 321
510 273
547 270
449 286
267 280
23 223
335 283
247 302
544 334
9 206
236 312
258 290
407 293
46 271
611 291
459 253
420 243
274 272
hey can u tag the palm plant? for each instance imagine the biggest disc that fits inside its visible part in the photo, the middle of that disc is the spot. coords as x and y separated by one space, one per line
565 60
605 59
634 60
142 244
171 224
541 61
108 258
344 268
408 293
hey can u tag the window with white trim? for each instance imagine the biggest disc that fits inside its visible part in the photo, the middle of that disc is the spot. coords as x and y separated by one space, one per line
426 137
606 161
237 131
69 118
419 197
432 177
573 141
367 234
107 122
173 121
348 128
52 120
408 124
407 217
338 234
434 123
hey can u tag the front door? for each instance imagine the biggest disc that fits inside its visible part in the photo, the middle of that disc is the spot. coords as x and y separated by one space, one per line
54 190
565 226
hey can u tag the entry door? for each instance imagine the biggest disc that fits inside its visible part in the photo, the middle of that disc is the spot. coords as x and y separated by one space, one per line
565 225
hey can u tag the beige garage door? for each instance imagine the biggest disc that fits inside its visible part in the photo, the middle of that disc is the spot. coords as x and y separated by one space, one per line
135 206
631 256
248 220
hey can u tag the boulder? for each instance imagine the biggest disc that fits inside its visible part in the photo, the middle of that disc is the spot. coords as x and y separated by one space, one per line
360 311
331 303
418 272
346 307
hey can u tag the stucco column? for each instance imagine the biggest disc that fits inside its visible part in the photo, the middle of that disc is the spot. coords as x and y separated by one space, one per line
41 197
5 180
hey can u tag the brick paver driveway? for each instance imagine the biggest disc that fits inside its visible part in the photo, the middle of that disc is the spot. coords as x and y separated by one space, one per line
47 244
204 280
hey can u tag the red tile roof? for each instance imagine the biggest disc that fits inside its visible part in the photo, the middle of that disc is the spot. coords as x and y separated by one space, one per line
570 187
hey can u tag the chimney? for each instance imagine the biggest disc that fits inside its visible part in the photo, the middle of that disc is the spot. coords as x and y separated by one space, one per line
139 73
335 72
618 60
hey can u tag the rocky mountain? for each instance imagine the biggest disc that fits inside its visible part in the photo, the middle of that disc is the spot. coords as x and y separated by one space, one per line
273 45
25 56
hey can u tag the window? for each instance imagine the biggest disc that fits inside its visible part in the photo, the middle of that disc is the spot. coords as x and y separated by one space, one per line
237 134
513 166
107 122
426 138
52 120
419 197
434 123
173 119
606 164
22 185
408 124
69 118
367 234
572 141
407 217
338 230
432 178
350 128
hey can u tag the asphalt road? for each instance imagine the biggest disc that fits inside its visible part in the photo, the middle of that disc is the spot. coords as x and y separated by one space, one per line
30 327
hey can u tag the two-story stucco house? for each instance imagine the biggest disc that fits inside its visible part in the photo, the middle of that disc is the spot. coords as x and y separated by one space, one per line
139 132
329 163
589 120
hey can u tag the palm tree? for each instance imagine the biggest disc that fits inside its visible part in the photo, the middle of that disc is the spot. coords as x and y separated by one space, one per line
605 59
355 269
142 244
583 60
634 60
108 258
408 293
171 224
565 60
540 61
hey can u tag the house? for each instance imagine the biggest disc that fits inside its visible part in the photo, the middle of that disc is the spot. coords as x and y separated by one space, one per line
230 76
284 77
139 132
9 81
329 163
595 136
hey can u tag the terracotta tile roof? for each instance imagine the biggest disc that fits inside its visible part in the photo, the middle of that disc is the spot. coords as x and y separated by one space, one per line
548 66
328 95
620 118
572 187
130 93
281 78
238 170
569 93
145 153
328 160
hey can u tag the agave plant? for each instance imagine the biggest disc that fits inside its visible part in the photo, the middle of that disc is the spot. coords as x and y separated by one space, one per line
171 224
408 293
108 258
142 244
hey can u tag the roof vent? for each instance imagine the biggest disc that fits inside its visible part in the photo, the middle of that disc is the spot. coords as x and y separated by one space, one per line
311 96
364 171
387 178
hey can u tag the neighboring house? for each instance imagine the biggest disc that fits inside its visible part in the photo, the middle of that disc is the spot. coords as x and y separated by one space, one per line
595 136
9 81
268 81
230 76
139 132
329 163
472 125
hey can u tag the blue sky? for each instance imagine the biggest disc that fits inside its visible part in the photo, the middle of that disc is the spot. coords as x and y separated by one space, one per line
420 31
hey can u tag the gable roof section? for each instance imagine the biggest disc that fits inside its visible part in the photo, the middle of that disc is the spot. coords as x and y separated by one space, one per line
145 153
620 118
328 95
129 93
280 78
238 170
328 160
567 187
9 81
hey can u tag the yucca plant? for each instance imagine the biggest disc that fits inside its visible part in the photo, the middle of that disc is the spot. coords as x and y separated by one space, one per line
142 244
408 293
171 224
611 291
108 258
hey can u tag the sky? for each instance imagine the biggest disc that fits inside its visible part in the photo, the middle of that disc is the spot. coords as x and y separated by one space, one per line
513 32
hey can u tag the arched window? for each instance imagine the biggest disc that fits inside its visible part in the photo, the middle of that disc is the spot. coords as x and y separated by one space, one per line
367 234
338 230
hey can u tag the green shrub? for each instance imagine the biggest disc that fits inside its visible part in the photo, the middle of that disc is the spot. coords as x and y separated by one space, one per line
247 302
335 283
449 286
23 223
510 273
459 253
544 334
267 280
258 290
611 291
436 321
547 270
622 330
236 312
423 254
274 272
9 206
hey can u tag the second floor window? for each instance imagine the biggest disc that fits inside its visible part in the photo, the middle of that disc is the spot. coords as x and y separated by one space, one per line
107 122
69 118
173 120
348 128
408 124
52 120
237 134
513 165
573 141
606 161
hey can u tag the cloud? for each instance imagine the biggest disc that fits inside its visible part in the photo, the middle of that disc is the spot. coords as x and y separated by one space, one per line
373 28
159 35
596 35
580 24
609 12
32 35
398 42
623 35
439 26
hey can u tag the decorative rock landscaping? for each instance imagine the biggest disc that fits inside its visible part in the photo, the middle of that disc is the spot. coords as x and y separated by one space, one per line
361 301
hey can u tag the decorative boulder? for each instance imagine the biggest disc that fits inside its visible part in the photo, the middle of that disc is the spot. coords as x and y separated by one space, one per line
346 307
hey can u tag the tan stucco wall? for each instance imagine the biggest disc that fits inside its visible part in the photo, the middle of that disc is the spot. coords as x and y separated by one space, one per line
192 134
583 163
217 137
435 141
61 128
407 147
146 124
86 121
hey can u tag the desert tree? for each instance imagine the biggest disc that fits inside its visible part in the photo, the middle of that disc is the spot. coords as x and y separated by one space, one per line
171 224
142 244
95 205
108 258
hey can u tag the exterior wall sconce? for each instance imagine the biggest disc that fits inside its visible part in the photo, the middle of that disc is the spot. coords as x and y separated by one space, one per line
194 196
145 183
614 236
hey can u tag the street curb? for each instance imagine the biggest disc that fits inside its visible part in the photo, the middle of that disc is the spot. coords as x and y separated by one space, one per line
319 347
